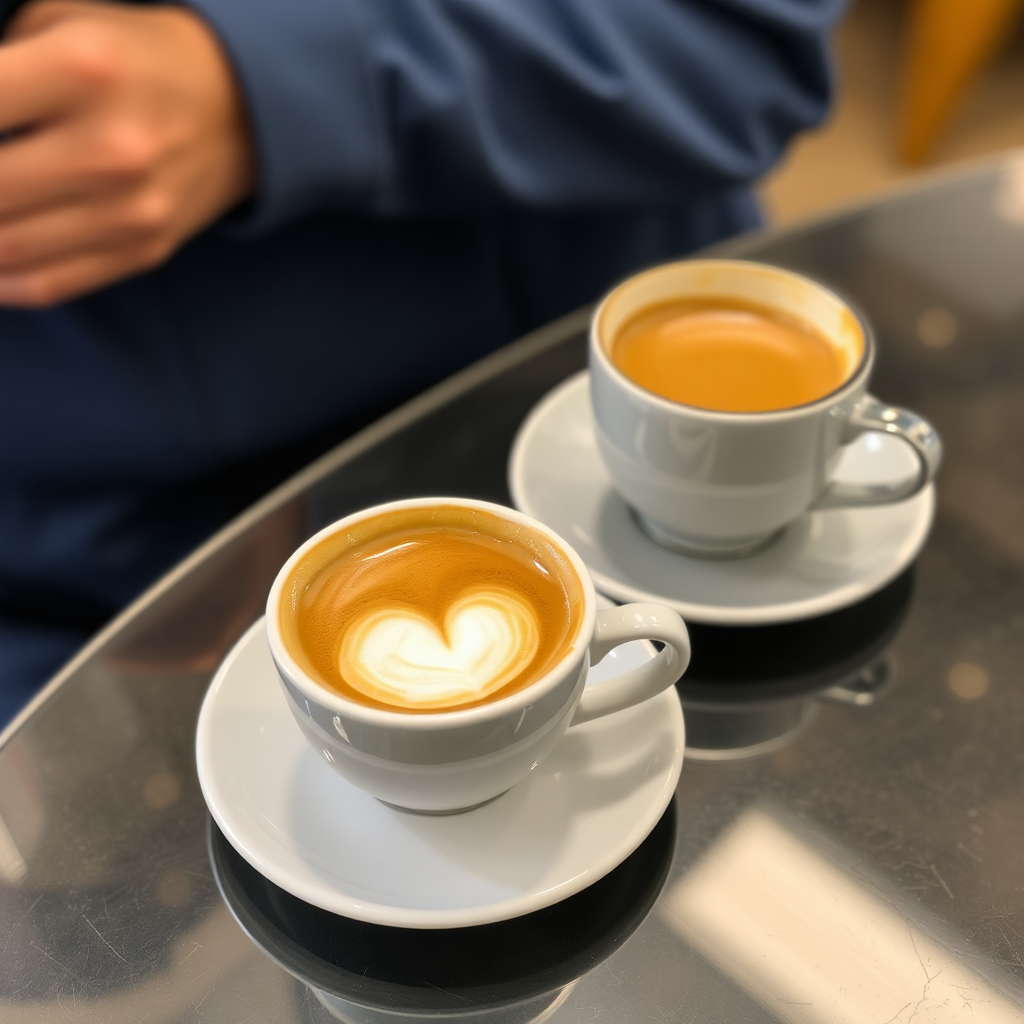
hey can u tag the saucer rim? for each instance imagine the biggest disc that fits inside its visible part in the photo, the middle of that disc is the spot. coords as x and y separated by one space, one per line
335 902
719 615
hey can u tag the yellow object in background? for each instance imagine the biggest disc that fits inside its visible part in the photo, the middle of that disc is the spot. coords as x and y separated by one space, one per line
948 42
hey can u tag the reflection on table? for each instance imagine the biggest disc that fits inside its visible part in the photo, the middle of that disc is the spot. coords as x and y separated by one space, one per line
512 972
750 691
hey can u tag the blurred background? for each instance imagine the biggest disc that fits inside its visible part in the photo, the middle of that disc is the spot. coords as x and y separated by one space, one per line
923 84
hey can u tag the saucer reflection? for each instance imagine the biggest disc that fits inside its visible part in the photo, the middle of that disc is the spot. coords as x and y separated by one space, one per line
511 972
751 690
533 1011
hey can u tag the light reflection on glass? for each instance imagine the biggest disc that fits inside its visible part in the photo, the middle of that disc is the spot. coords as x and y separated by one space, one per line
22 811
936 327
1009 198
968 681
821 943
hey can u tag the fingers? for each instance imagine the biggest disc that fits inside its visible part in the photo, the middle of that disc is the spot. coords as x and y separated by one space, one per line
79 161
62 252
67 231
54 56
133 137
39 80
39 15
34 173
71 278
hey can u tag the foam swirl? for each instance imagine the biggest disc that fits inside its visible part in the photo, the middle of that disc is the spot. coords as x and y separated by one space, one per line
401 657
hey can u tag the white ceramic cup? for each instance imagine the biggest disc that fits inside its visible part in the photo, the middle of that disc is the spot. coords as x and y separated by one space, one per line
447 761
724 484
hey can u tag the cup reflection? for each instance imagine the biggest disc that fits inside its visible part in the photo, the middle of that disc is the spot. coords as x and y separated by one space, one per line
512 972
751 690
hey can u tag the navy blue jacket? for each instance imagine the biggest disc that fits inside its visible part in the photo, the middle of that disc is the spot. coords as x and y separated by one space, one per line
436 177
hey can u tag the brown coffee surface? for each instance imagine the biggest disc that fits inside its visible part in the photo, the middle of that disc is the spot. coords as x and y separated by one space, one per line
391 611
727 356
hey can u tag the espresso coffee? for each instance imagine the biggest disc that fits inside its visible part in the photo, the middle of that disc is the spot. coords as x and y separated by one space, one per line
728 356
431 609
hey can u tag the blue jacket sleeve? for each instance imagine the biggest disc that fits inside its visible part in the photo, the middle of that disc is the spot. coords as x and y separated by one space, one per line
424 107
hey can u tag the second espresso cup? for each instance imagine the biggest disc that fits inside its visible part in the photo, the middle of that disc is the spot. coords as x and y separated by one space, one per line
417 743
721 484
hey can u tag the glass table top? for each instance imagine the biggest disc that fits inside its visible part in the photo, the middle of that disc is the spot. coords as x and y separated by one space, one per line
847 838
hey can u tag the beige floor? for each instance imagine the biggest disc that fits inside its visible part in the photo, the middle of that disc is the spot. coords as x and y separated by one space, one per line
854 154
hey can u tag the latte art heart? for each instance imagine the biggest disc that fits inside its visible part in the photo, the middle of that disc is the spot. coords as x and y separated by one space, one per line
422 610
401 657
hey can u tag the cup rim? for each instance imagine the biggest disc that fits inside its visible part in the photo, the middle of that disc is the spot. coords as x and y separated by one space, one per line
430 721
856 379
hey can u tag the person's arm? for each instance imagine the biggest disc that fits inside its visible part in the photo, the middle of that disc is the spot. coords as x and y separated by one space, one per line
131 134
432 106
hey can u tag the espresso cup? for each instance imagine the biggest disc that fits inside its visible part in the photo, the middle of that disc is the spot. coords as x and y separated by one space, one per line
438 759
719 484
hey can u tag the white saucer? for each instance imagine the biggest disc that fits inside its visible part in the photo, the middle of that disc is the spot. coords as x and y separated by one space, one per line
294 819
823 562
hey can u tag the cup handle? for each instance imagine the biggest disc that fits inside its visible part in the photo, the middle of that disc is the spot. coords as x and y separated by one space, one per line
617 626
917 432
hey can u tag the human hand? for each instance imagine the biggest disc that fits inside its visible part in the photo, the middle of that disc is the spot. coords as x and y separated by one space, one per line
130 137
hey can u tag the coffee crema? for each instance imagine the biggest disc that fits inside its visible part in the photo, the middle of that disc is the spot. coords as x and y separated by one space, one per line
431 609
726 355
